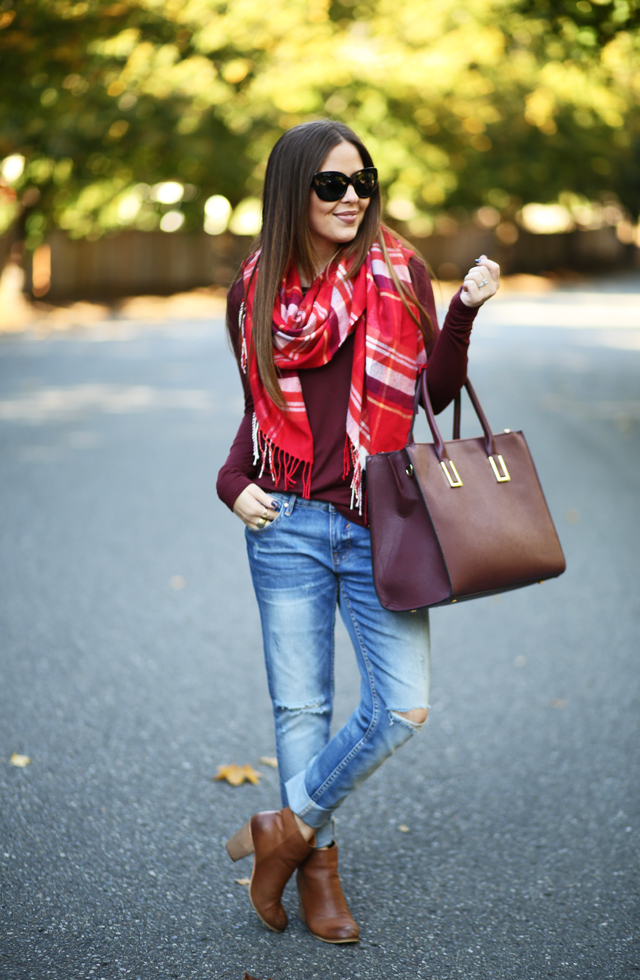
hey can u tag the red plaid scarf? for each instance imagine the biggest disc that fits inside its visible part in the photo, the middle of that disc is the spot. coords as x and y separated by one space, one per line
307 331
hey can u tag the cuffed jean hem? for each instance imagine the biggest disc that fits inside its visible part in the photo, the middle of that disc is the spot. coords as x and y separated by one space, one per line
327 834
302 805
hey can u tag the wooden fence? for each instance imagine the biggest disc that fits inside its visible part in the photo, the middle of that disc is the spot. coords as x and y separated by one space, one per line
131 263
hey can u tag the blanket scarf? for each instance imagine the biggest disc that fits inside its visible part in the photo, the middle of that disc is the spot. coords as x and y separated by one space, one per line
308 329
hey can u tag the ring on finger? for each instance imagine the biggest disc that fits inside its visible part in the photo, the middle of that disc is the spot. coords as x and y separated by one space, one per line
260 523
264 515
483 283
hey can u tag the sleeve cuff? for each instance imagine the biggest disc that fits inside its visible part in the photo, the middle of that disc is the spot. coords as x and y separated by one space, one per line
231 488
459 314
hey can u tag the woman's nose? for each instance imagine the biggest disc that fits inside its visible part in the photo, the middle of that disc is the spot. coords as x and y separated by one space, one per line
350 196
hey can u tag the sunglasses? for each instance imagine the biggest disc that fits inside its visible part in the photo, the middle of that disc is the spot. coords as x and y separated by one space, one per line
331 185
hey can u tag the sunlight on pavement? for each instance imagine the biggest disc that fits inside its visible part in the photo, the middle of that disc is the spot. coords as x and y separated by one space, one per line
574 311
56 403
595 318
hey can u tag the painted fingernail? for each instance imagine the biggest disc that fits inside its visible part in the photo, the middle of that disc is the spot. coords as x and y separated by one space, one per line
275 505
478 261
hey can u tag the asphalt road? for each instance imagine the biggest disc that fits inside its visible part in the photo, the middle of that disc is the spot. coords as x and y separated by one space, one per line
130 668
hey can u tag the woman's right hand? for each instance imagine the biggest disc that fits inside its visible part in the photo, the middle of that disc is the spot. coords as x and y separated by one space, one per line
253 504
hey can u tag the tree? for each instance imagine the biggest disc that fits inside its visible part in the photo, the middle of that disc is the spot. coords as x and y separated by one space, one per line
490 103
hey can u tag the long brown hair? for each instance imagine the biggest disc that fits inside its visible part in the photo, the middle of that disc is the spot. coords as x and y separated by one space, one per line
285 235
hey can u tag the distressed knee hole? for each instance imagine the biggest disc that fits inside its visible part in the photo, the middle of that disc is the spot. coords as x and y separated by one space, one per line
415 718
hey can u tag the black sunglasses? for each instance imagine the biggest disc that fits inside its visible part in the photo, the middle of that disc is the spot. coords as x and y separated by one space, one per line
331 185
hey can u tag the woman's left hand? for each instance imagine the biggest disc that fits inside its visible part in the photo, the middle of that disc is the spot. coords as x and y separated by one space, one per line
481 282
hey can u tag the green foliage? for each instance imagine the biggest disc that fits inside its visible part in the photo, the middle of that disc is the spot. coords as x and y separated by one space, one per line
491 102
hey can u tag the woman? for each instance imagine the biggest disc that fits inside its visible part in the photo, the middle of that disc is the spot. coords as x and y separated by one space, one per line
331 320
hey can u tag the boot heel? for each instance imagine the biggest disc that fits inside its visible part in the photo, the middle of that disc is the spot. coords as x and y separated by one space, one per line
241 843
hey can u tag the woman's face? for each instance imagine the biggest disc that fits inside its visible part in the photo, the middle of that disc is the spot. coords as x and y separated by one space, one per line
333 223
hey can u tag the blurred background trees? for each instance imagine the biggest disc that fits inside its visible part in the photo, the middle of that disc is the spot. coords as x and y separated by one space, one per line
161 113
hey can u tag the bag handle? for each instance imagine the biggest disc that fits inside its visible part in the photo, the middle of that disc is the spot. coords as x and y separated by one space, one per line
439 444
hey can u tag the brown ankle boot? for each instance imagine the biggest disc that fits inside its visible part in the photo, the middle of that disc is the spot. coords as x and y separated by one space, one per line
322 905
279 849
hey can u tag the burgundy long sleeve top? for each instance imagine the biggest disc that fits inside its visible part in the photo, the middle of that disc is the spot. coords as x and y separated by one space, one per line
326 396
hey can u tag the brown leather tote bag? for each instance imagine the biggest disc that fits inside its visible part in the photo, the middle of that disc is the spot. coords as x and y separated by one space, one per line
458 520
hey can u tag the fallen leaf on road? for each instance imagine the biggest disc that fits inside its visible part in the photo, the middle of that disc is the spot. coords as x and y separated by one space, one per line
242 881
269 760
403 828
236 775
19 760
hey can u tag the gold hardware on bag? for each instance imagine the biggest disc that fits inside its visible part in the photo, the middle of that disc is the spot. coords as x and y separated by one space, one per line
452 483
505 472
409 469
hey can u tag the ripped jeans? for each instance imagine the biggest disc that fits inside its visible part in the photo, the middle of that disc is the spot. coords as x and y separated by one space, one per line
306 562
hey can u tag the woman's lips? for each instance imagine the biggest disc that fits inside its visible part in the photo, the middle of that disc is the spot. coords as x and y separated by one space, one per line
346 215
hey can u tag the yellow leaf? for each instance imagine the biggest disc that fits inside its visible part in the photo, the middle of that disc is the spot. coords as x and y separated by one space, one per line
236 775
403 828
269 760
19 760
242 881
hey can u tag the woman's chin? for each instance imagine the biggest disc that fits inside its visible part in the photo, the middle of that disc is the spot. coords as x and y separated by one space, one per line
343 235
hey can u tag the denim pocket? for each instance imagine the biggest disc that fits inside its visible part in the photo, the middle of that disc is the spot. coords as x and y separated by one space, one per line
270 524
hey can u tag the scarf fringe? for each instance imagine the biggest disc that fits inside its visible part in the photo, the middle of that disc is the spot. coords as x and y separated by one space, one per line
244 355
283 466
351 463
280 464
